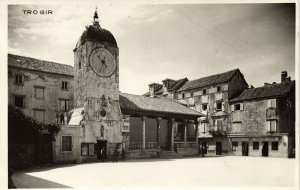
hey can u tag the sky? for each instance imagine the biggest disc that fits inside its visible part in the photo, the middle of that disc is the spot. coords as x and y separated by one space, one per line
159 41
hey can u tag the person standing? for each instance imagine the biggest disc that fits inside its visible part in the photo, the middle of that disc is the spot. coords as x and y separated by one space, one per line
115 157
123 154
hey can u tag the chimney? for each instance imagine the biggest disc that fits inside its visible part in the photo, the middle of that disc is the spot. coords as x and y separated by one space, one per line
283 76
250 86
153 87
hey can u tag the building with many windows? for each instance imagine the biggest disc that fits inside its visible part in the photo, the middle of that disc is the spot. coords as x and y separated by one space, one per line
238 120
212 115
263 120
42 89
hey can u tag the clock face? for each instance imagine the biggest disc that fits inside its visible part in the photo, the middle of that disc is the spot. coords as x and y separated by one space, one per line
102 62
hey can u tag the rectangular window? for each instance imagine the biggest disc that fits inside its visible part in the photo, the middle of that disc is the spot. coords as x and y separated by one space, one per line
64 105
272 103
273 126
39 115
192 94
126 124
84 149
19 101
219 106
179 96
66 143
219 89
183 95
236 127
255 145
204 91
204 107
64 85
274 145
87 149
18 79
237 106
235 146
39 92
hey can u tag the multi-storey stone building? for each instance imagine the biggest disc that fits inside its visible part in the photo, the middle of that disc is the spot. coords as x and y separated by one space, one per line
236 117
42 89
263 120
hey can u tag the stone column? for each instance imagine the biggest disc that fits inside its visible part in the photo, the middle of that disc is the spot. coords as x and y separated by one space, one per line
172 134
196 130
144 133
158 132
185 132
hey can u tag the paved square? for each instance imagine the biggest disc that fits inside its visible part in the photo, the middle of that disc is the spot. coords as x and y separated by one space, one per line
192 172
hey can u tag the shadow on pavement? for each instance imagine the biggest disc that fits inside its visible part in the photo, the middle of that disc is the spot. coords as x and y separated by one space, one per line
22 180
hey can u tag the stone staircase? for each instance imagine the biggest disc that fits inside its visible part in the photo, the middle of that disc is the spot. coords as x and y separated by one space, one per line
169 154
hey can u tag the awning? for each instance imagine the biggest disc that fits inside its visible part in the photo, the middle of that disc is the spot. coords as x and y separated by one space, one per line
76 116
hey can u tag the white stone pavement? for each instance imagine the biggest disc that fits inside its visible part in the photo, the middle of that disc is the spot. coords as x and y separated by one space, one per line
168 173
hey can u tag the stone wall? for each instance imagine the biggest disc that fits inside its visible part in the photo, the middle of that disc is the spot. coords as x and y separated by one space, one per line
282 151
252 118
73 156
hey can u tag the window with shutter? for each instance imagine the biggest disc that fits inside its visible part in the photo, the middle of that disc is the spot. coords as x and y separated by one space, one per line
19 101
64 85
242 106
18 79
39 92
232 107
64 105
66 143
255 145
273 126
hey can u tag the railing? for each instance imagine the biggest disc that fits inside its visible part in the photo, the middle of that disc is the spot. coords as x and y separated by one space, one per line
188 144
135 145
138 145
151 145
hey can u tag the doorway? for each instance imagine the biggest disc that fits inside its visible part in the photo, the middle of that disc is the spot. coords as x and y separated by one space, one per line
218 148
101 145
245 148
265 149
203 148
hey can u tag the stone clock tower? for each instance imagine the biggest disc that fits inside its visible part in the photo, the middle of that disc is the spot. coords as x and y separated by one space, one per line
96 87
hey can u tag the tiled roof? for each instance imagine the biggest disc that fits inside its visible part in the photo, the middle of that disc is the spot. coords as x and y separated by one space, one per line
178 84
39 65
210 80
175 86
270 91
160 105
